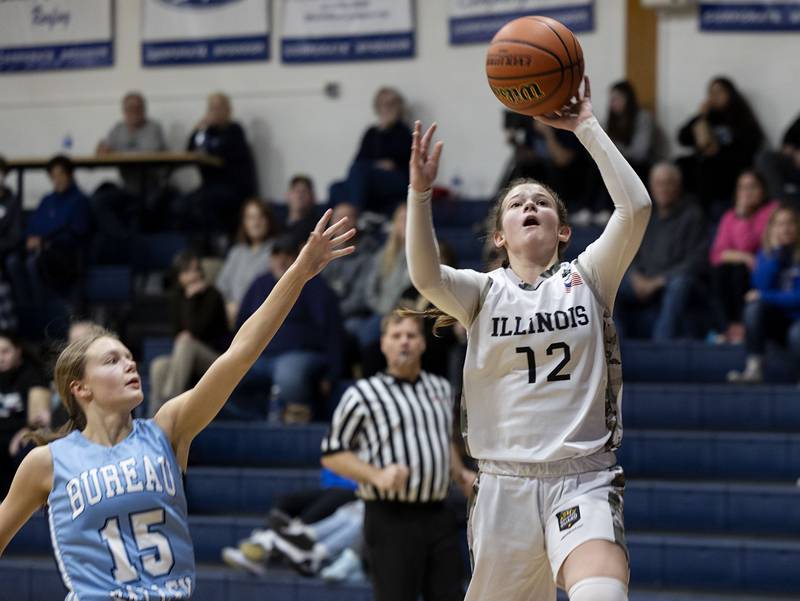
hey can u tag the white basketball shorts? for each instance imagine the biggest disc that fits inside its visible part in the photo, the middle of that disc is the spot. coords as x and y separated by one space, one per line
527 518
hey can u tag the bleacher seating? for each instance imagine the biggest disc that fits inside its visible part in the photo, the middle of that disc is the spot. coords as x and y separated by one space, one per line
712 509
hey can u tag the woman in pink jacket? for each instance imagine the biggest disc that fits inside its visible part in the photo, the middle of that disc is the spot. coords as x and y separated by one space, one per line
734 250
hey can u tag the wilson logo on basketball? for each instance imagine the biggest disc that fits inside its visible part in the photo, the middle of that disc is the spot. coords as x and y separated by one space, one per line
508 60
520 94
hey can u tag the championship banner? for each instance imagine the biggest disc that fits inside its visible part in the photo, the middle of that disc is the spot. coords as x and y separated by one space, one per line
343 30
181 32
57 34
747 15
476 21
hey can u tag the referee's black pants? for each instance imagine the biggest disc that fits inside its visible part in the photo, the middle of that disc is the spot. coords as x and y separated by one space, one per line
413 549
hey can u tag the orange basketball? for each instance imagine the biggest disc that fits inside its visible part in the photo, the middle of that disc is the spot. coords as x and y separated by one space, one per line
534 65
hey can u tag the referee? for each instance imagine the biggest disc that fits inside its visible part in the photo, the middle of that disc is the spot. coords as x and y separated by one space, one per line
401 422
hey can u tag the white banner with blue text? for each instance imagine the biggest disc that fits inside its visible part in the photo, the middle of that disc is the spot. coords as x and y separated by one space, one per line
747 15
347 30
37 35
181 32
476 21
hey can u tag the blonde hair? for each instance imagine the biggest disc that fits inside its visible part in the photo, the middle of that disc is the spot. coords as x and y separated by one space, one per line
494 223
70 366
765 239
393 246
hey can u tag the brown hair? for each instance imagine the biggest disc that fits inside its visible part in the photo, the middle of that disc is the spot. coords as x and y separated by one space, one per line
266 212
400 314
494 223
70 366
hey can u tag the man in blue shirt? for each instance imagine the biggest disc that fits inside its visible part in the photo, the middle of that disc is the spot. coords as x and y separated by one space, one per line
304 358
55 236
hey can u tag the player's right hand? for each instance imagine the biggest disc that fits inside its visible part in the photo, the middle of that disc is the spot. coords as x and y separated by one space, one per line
423 165
391 478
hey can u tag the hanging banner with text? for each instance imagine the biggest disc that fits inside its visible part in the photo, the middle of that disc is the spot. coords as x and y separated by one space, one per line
57 34
344 30
476 21
747 15
181 32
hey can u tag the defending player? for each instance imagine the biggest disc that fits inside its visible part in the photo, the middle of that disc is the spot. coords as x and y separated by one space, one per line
542 380
112 484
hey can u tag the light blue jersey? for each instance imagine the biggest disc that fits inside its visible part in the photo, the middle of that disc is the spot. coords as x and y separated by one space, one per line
118 518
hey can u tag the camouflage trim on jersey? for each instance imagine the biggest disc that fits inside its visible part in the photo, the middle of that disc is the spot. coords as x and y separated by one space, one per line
617 504
614 382
464 425
471 502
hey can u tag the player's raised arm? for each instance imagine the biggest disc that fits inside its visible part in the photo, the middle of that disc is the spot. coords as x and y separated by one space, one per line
185 416
456 292
606 260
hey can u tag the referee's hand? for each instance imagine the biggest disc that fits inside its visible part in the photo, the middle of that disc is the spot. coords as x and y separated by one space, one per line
391 478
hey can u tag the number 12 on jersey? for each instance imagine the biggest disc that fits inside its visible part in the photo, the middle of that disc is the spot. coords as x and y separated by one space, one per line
555 375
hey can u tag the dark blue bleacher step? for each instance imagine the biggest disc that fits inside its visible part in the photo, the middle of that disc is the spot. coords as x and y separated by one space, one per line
644 453
693 361
718 455
711 407
661 562
649 504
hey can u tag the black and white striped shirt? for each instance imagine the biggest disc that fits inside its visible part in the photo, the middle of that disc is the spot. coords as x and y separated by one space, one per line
386 420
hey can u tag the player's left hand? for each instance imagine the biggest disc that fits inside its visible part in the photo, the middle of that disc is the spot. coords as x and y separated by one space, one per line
466 482
572 114
323 245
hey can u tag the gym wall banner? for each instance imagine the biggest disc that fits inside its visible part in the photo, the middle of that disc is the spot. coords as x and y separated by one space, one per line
57 34
181 32
733 15
476 21
344 30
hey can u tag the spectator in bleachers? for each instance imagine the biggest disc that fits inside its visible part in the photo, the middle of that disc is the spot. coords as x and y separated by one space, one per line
135 133
725 136
733 251
119 212
10 217
10 241
783 167
216 203
56 238
347 277
378 177
555 158
304 358
308 528
249 257
24 404
197 313
386 285
773 304
654 293
301 202
631 127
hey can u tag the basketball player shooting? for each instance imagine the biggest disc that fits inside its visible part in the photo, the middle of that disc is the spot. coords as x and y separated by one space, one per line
542 375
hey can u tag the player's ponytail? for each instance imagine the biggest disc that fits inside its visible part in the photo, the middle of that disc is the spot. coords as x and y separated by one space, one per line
70 366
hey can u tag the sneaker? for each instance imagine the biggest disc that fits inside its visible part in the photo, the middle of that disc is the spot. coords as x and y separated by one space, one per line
346 567
278 520
746 376
235 558
298 548
259 546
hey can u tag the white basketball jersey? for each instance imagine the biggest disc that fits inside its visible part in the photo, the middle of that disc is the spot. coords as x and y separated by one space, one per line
542 375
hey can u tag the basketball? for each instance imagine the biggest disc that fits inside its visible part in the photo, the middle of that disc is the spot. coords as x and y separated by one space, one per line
534 65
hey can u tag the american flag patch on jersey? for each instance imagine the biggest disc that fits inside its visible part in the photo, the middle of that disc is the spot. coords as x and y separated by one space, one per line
574 279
